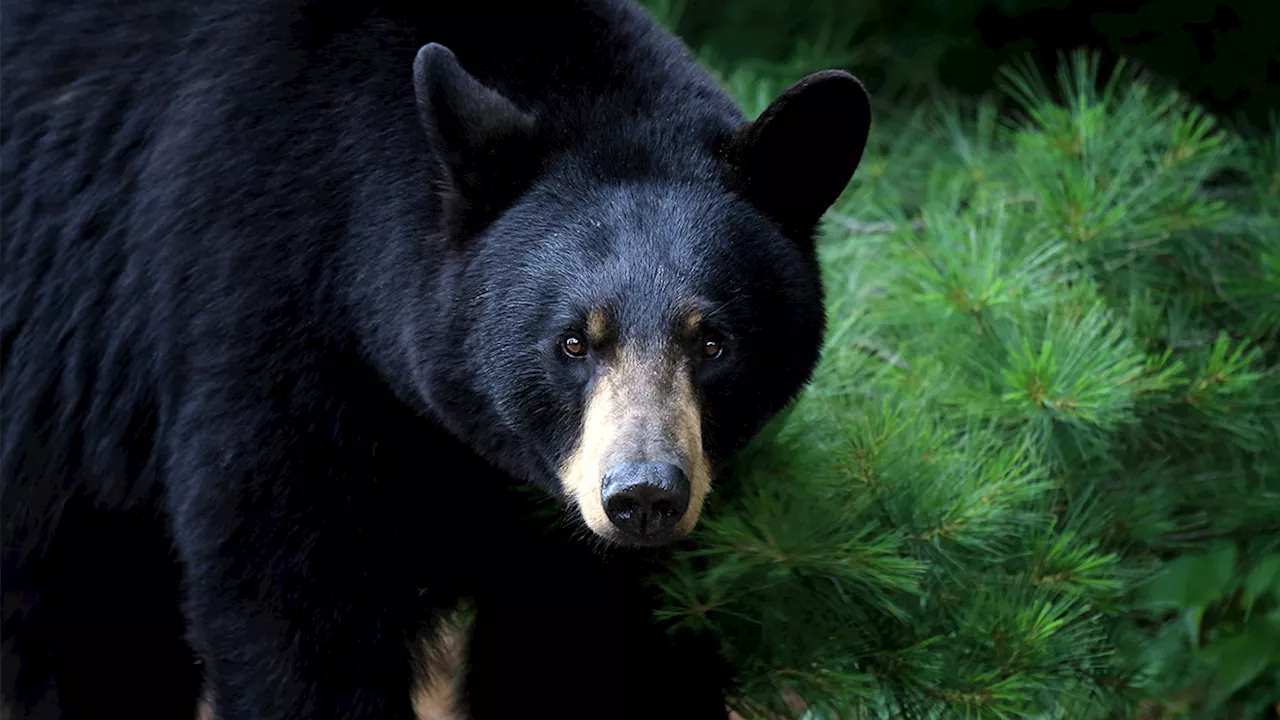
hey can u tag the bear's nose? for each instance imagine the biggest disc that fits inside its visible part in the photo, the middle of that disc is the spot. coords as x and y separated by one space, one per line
645 500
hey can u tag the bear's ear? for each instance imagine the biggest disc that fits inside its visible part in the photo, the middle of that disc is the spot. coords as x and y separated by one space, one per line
796 158
481 138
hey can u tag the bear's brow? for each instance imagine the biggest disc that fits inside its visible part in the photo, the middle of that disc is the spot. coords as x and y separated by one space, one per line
682 319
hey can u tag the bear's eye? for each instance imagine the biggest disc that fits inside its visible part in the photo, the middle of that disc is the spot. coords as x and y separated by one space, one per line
573 346
712 348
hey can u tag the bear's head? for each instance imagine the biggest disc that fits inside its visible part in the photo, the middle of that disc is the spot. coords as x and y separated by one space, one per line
632 290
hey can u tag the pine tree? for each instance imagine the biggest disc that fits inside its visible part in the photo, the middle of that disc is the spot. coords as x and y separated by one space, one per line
1037 473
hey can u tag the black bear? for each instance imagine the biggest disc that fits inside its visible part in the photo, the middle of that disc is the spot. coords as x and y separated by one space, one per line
300 297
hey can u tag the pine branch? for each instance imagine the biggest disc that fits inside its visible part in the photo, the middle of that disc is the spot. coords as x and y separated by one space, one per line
1089 298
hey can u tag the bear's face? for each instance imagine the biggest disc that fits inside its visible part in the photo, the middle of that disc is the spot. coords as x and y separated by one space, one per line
646 331
619 333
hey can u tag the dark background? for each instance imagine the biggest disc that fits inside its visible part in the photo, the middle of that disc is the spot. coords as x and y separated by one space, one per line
1226 55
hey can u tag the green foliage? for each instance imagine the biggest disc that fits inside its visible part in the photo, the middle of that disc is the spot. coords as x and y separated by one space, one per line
1037 473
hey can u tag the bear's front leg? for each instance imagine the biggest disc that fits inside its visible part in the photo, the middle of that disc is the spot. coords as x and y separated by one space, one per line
289 626
298 589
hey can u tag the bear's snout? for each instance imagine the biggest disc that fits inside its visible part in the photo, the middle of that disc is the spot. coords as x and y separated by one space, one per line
639 473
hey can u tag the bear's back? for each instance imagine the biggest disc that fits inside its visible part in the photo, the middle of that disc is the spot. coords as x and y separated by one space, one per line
80 82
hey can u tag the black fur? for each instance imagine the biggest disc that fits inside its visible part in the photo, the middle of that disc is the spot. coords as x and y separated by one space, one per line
280 319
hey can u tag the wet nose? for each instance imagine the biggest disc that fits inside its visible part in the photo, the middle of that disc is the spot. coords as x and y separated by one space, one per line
645 500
